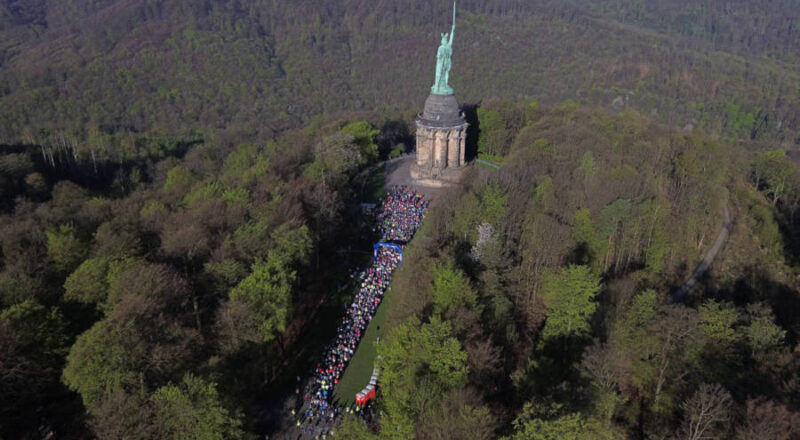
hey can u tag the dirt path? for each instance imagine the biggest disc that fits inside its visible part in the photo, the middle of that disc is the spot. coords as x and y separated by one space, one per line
704 265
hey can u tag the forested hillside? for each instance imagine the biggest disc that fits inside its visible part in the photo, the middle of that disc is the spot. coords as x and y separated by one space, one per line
180 217
194 287
536 303
91 73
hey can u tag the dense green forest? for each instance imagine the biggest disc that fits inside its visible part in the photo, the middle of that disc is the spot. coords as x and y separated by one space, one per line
190 289
179 213
173 301
552 279
92 74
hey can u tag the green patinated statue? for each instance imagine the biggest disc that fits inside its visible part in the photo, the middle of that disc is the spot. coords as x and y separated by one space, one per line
443 61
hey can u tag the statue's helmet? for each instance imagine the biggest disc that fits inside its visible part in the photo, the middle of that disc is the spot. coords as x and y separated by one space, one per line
444 37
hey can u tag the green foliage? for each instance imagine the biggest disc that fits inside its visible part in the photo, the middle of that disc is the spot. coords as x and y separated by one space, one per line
762 333
651 346
33 340
36 329
494 204
100 363
570 300
354 428
192 409
778 174
226 273
337 158
569 427
610 217
766 227
644 309
249 238
16 165
655 214
397 151
141 341
245 165
489 205
542 146
544 195
588 164
573 426
567 109
236 196
117 267
179 179
65 248
739 123
584 234
466 216
118 239
292 245
451 289
364 136
202 193
89 283
419 362
240 160
457 415
268 293
646 200
717 321
493 136
531 110
152 208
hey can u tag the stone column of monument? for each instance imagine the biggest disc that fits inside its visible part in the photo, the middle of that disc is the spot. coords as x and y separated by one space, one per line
453 147
463 146
441 127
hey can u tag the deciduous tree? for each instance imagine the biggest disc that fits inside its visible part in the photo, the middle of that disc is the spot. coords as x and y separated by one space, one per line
192 409
570 300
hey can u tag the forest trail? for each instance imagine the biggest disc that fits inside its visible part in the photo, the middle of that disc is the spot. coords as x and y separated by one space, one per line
712 253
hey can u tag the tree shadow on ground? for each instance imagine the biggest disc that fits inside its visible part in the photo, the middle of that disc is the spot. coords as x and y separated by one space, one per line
473 130
553 372
757 285
394 133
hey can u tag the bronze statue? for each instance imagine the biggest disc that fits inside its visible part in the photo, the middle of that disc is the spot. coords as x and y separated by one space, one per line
444 61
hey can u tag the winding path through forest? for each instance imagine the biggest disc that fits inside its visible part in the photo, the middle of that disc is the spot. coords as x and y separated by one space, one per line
705 264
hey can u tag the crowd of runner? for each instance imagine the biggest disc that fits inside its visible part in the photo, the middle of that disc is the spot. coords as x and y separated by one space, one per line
400 216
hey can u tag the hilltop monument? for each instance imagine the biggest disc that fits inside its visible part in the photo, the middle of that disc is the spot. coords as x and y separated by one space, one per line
441 127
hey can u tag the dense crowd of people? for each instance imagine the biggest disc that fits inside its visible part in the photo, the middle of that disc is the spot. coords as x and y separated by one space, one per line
400 215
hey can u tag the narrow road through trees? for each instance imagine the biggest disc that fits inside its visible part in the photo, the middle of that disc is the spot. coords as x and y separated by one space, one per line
712 253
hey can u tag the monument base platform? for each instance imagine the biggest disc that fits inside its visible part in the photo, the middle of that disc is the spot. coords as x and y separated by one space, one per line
446 178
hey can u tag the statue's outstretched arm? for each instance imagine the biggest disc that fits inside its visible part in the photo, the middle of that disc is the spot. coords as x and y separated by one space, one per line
453 29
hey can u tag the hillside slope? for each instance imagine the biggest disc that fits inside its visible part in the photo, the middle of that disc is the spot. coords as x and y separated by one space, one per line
82 68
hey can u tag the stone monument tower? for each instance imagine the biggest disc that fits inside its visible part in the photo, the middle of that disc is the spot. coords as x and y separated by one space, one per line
441 128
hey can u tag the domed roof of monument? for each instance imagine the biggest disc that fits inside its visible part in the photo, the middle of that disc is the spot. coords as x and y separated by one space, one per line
441 110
